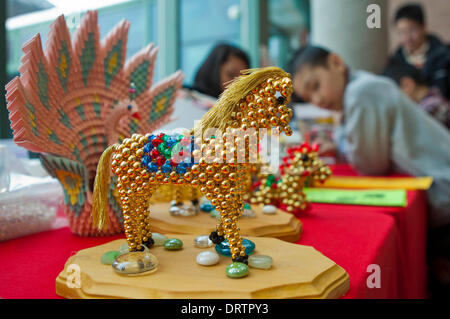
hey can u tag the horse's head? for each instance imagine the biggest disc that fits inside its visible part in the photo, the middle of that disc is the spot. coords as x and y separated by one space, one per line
265 105
257 100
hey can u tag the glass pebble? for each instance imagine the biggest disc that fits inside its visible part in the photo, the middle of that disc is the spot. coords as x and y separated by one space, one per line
109 257
207 258
203 241
260 261
224 248
135 263
269 209
237 270
159 239
215 214
173 244
206 206
248 213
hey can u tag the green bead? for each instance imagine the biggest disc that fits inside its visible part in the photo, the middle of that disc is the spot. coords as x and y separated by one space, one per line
161 148
167 153
173 244
165 137
109 257
237 270
247 206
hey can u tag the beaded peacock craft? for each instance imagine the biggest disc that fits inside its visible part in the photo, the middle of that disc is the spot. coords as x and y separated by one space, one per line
77 98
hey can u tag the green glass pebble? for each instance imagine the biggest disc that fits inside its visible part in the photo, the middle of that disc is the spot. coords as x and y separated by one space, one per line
237 270
173 244
224 248
215 214
260 261
124 249
159 239
109 257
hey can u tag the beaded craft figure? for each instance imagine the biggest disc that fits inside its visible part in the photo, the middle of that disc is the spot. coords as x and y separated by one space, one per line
252 102
301 167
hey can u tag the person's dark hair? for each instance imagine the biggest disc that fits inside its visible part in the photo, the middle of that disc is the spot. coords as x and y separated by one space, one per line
207 79
308 55
412 12
398 70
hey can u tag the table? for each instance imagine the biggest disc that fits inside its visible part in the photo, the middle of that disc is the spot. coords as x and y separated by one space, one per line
352 236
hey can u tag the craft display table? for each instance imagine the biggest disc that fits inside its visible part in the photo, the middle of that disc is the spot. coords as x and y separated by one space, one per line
354 237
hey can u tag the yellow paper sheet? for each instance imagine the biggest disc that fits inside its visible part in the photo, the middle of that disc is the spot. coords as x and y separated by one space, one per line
408 183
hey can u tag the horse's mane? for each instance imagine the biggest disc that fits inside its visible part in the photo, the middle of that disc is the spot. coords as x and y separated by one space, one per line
220 114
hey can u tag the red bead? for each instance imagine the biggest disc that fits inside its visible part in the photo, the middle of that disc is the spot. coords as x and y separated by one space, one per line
154 153
156 142
305 173
160 160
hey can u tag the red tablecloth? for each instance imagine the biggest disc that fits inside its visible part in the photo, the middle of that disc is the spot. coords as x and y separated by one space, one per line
352 236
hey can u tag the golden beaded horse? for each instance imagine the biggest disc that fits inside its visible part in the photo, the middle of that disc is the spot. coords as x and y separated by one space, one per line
254 101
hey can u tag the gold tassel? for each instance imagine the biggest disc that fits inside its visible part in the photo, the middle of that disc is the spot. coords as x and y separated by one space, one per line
101 186
220 114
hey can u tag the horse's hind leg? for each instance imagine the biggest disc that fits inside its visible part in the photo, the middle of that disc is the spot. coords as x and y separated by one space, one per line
142 213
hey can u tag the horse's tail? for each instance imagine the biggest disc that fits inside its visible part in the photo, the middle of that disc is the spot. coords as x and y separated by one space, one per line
101 186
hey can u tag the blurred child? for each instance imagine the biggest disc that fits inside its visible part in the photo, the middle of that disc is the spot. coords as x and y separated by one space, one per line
416 87
222 65
381 130
420 49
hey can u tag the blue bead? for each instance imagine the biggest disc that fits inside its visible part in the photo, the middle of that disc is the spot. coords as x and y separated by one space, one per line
166 168
181 169
224 248
148 147
170 141
151 138
145 160
152 167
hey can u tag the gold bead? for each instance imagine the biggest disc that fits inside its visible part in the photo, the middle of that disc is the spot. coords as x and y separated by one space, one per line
202 177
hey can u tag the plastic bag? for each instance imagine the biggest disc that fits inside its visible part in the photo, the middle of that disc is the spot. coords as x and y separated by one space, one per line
28 204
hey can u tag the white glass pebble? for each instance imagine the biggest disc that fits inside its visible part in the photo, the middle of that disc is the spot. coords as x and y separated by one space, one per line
269 209
202 241
207 258
260 261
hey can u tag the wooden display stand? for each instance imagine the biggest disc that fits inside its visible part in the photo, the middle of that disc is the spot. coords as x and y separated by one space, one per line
280 225
297 272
